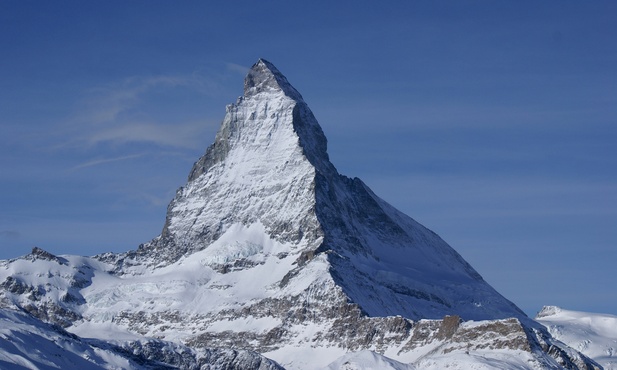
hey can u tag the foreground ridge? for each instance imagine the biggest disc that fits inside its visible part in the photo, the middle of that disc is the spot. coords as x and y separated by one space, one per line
269 250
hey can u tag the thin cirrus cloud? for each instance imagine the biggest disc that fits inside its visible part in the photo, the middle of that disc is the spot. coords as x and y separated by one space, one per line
237 68
123 112
99 161
106 103
181 135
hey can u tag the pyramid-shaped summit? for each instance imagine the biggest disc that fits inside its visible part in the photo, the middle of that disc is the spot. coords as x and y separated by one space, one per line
266 190
264 76
268 251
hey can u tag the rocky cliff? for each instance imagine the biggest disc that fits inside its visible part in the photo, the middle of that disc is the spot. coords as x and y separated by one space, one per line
267 248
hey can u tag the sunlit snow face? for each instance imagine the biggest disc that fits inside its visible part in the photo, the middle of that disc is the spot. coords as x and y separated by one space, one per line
260 175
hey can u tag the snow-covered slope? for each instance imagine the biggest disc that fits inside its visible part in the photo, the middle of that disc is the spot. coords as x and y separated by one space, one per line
188 304
268 174
267 248
367 360
27 343
593 334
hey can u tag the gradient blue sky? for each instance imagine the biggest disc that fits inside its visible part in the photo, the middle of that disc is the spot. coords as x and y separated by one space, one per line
493 123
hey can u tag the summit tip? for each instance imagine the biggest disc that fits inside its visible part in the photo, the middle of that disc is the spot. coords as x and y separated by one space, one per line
264 76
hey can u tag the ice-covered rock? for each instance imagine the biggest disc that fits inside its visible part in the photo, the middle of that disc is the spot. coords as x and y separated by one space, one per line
268 249
268 169
593 334
27 343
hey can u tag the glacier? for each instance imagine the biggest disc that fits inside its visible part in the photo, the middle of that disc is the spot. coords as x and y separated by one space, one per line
593 334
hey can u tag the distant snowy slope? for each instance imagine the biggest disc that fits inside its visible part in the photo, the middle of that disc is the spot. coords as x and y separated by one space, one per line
27 343
268 251
367 360
593 334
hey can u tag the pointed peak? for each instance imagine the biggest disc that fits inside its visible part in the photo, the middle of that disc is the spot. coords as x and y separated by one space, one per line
265 63
264 76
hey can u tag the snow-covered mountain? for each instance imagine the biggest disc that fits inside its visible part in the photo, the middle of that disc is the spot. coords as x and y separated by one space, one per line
265 194
28 343
593 334
269 250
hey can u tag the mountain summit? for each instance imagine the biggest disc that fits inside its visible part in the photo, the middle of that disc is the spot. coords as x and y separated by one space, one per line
268 251
268 171
264 76
261 169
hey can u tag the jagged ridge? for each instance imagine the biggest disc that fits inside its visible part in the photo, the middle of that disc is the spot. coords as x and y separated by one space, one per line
268 248
269 165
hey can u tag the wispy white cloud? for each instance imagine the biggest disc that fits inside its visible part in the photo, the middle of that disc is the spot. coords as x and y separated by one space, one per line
125 112
154 200
182 135
107 103
99 161
237 68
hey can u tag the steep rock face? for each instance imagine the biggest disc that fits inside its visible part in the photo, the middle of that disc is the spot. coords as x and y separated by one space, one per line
257 170
268 249
269 166
27 343
593 334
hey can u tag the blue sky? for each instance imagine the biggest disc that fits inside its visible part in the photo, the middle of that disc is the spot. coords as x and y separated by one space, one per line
493 123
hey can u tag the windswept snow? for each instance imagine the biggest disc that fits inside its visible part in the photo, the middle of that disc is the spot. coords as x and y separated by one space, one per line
27 343
268 249
367 360
593 334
